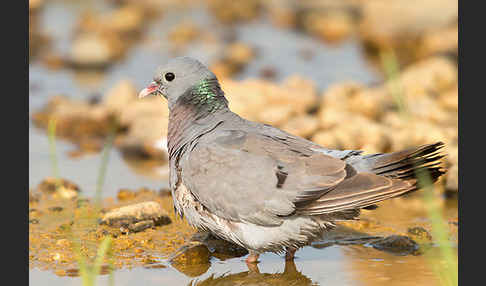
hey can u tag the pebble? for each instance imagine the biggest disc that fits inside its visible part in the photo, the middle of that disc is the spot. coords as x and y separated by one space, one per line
396 244
132 214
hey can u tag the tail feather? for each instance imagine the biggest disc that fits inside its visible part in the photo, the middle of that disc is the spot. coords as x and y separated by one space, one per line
389 175
407 163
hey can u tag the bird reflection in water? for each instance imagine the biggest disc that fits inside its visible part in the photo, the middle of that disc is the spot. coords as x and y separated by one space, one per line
290 276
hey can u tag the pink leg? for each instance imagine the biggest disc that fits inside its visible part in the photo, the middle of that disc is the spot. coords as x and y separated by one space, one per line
251 262
289 256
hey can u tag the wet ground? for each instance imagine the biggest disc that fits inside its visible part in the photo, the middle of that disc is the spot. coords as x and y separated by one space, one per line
320 264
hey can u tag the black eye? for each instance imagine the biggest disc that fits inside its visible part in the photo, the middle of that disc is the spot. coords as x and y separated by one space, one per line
169 76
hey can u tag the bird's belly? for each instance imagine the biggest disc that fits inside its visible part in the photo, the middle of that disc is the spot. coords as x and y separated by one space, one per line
295 231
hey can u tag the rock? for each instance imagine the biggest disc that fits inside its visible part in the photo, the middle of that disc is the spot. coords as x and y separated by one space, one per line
251 97
331 118
127 20
239 53
72 272
35 213
33 221
223 69
350 131
275 115
444 41
183 33
432 76
332 21
419 232
326 139
87 125
449 100
141 226
91 51
370 103
58 188
401 24
53 61
146 142
332 27
104 37
124 20
302 125
234 58
37 39
125 194
282 14
396 244
337 95
33 197
415 132
234 11
60 272
305 90
76 120
132 214
426 108
191 259
118 97
135 115
55 209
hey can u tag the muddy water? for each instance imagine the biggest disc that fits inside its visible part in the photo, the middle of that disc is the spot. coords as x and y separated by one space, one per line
318 265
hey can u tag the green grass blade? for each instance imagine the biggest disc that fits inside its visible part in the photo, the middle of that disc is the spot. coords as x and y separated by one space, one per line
447 274
103 249
104 164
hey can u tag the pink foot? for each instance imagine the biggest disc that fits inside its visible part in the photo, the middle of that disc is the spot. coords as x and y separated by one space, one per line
252 257
252 262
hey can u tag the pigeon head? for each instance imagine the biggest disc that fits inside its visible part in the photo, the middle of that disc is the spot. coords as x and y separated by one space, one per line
185 80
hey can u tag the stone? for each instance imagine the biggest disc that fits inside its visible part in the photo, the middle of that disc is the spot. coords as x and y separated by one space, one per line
301 125
183 33
58 188
401 24
91 50
396 244
275 115
141 226
234 11
134 213
239 53
332 27
419 232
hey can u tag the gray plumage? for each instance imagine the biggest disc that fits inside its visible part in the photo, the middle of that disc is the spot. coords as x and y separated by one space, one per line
261 187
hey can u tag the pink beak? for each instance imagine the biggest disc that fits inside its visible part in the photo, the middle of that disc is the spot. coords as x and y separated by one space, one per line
149 90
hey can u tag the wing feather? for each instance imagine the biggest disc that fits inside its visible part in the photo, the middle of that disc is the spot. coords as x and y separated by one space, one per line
251 177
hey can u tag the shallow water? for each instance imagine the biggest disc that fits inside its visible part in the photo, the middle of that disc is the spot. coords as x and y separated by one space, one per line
334 265
338 264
